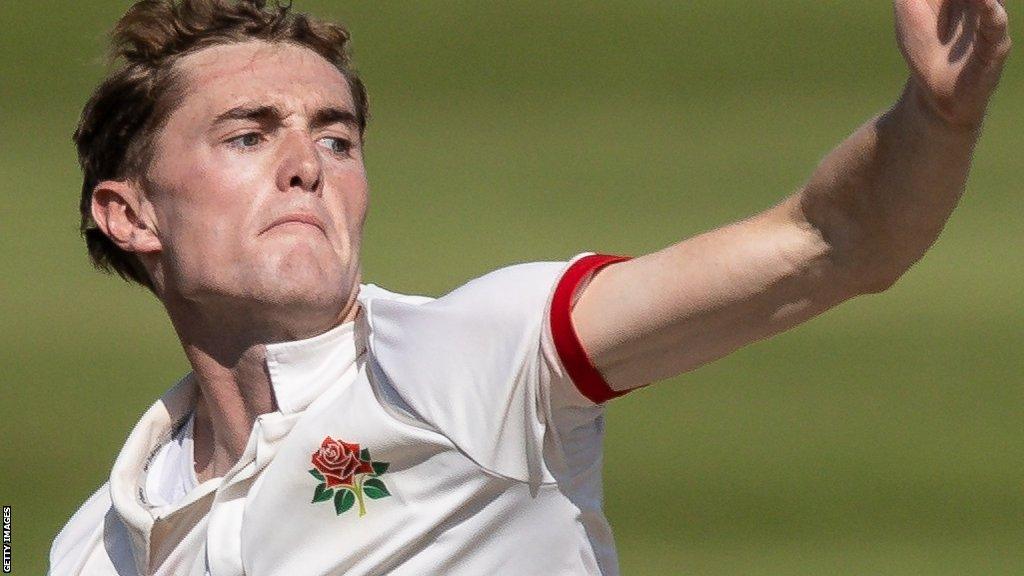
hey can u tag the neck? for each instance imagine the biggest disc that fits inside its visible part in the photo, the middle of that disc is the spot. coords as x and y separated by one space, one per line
228 359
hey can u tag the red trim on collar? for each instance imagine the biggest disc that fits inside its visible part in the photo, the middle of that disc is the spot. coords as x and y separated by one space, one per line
567 343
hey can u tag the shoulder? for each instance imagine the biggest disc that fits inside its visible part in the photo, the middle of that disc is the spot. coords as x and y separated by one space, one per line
498 295
515 289
80 533
371 293
478 364
484 327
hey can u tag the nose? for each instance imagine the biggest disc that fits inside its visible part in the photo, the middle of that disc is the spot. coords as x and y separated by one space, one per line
301 167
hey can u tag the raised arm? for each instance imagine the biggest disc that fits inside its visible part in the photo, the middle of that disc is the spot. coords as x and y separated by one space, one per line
871 209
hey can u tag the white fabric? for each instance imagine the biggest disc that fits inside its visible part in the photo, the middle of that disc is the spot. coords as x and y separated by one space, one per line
172 473
493 456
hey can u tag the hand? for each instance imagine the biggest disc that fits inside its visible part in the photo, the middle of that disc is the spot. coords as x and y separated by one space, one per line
956 50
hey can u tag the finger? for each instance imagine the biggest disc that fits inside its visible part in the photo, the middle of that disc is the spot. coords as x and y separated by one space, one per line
992 26
946 23
993 13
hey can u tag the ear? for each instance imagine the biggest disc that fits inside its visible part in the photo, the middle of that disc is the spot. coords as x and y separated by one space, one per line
117 210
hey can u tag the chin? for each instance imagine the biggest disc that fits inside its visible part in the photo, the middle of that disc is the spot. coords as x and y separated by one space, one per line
298 309
315 287
302 286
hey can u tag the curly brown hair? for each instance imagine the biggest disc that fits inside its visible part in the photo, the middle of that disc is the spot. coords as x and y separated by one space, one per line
115 134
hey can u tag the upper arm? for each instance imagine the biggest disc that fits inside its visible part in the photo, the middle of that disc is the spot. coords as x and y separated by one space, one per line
671 311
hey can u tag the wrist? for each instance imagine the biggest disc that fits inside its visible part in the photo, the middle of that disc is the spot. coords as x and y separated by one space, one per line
917 102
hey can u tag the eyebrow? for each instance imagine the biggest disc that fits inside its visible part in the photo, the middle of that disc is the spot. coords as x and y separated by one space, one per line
259 114
330 115
274 116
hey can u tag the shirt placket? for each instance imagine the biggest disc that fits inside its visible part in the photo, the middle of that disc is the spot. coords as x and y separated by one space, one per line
224 528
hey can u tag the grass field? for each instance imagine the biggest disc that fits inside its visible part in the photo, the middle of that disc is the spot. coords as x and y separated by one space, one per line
882 438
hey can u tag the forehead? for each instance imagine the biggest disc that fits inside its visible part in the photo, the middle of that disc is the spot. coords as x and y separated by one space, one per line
292 77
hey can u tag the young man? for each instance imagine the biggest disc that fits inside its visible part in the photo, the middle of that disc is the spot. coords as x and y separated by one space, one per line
334 427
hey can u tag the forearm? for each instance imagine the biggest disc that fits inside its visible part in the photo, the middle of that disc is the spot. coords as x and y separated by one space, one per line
881 198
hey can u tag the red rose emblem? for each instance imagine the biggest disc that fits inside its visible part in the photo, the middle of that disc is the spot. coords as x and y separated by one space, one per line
339 462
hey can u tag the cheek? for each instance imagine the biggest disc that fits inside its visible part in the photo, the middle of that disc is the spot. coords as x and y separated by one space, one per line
208 223
202 252
353 196
206 229
209 206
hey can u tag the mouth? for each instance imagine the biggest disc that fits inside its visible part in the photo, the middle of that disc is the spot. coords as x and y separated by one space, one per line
297 218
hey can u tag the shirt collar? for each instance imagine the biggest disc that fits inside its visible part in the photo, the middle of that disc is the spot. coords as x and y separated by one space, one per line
300 372
127 487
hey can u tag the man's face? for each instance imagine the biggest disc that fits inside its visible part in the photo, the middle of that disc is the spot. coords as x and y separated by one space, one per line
258 187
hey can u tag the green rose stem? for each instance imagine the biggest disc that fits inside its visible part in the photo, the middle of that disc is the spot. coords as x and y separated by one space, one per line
359 497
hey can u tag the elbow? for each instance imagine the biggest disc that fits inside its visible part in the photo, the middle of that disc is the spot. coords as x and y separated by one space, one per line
878 283
856 280
864 260
868 261
864 269
878 271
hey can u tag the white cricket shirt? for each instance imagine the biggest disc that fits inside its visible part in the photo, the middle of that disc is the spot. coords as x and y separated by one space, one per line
459 436
172 473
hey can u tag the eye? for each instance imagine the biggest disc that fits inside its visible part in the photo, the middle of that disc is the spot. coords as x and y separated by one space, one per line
339 146
247 140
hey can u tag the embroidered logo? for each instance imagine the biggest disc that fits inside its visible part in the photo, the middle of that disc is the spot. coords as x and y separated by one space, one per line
346 474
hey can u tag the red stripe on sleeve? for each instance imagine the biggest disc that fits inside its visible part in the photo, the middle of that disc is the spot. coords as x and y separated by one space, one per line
567 343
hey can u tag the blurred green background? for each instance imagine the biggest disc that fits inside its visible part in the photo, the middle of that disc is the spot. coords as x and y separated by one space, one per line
882 438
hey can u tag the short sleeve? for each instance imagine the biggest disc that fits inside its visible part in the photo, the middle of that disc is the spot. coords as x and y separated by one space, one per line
491 363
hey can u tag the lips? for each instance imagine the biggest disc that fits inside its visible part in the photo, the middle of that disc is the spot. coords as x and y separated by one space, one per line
297 218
